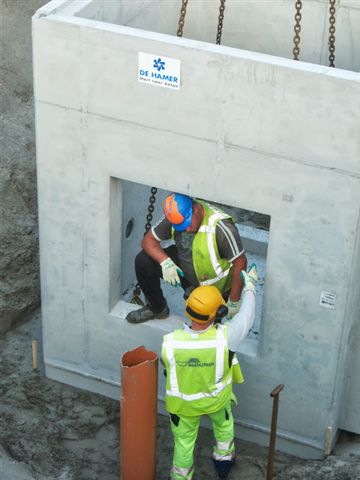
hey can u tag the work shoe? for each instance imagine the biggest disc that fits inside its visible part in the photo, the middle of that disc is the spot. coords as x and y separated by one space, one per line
223 467
145 313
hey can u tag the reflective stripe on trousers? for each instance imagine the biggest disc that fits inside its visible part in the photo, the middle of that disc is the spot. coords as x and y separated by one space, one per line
224 451
178 473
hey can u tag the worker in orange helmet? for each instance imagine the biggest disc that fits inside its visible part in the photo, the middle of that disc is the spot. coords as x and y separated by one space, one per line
201 367
207 251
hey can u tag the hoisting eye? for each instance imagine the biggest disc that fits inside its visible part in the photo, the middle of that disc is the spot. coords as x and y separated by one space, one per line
129 228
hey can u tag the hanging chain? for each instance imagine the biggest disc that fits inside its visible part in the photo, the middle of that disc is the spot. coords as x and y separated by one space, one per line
182 18
220 22
332 19
152 199
149 216
297 29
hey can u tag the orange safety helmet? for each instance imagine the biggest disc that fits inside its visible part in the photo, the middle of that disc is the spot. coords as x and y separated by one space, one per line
205 303
178 210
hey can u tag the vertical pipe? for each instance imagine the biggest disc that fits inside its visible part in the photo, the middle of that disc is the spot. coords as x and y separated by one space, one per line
138 414
275 394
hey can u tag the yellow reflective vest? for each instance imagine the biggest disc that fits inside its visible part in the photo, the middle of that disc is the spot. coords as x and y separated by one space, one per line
209 267
199 378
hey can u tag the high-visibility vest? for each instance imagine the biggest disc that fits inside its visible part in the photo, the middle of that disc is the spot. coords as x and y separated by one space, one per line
209 267
198 375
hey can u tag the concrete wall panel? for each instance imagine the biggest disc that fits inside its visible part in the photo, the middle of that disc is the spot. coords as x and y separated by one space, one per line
62 232
245 129
56 84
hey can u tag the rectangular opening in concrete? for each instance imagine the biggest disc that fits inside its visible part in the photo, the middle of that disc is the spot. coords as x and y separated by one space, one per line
129 203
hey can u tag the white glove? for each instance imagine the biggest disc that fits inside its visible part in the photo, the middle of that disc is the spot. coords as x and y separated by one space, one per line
250 278
171 272
233 308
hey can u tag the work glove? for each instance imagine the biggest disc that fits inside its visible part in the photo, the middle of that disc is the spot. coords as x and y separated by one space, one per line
171 272
233 308
250 278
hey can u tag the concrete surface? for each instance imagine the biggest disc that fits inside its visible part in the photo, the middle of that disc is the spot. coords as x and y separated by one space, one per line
267 136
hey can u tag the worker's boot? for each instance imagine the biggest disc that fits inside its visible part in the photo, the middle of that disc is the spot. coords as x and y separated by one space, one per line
145 313
223 467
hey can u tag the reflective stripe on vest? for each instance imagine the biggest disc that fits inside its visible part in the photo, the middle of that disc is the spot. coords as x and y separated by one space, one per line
211 217
170 345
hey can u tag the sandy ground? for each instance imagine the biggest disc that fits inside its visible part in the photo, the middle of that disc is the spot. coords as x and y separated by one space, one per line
55 432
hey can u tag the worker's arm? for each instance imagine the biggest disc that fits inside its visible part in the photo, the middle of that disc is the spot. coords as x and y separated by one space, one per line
231 248
153 248
170 271
239 264
241 323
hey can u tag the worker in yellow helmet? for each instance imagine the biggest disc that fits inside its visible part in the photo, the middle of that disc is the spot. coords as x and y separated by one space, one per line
201 366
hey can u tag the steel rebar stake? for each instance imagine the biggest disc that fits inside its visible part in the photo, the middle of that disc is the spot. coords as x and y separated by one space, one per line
275 394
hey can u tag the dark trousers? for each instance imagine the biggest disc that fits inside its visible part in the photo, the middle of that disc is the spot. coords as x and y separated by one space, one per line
148 274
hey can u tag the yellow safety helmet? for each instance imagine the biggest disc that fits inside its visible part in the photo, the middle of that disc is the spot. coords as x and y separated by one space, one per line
205 303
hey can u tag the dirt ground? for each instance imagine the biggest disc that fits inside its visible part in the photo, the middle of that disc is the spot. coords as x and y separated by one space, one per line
19 256
55 432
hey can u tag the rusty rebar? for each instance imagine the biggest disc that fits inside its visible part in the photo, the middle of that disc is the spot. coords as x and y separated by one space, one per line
270 466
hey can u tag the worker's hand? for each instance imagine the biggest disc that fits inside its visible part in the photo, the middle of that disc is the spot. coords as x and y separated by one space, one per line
233 308
171 272
250 278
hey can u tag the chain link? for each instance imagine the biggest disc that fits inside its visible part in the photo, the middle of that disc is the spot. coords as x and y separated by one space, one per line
297 29
332 20
149 216
220 22
152 199
182 18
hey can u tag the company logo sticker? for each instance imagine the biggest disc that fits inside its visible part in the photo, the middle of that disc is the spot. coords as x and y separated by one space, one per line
159 70
194 362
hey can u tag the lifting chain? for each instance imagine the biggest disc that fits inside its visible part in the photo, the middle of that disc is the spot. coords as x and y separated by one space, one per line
152 199
137 290
297 29
182 18
332 19
220 22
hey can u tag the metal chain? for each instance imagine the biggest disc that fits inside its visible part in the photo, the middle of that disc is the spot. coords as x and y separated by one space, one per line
297 29
152 199
149 216
220 22
182 18
332 20
150 210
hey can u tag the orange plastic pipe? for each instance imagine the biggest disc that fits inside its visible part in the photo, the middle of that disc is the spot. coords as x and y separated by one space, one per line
138 414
